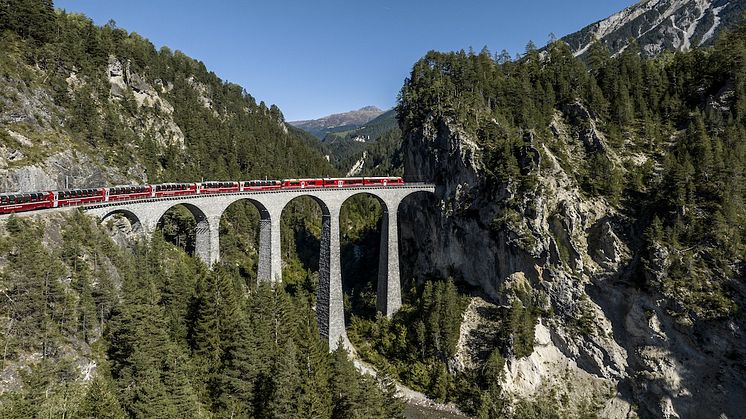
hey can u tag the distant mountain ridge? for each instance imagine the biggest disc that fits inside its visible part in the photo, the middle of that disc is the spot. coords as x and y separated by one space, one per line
659 25
338 122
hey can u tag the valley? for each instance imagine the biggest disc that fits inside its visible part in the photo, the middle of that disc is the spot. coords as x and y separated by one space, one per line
573 244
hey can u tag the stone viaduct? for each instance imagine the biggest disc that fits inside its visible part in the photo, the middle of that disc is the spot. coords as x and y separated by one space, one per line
207 210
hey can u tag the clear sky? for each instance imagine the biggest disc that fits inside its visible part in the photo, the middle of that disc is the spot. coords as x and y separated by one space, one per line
314 58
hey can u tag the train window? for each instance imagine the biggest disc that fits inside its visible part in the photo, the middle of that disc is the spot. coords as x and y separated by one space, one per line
3 199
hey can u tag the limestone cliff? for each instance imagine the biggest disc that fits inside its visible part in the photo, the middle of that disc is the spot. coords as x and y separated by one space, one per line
605 340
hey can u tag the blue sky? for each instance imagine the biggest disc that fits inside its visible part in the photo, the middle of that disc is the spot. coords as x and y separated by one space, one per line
313 58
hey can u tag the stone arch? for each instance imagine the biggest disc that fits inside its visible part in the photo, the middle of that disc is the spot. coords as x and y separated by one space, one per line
325 208
264 250
206 245
309 253
370 260
135 222
329 307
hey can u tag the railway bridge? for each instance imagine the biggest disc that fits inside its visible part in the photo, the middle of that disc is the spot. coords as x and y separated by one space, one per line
207 210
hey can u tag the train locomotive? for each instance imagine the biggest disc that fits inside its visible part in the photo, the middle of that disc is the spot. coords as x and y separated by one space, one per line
31 201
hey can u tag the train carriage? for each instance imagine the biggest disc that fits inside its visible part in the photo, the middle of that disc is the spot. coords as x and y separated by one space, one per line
19 202
343 182
129 192
302 183
174 189
382 181
218 187
260 185
69 197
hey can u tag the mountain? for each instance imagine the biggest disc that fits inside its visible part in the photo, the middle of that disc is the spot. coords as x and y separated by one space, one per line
659 25
338 122
101 322
603 211
370 150
84 106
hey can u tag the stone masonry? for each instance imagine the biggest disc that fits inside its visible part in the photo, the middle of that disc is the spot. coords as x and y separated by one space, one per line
207 210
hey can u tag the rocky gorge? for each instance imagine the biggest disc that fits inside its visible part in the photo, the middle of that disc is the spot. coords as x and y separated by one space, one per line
603 339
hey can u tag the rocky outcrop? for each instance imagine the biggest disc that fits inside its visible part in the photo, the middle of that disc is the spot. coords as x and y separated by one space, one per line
158 124
605 339
659 25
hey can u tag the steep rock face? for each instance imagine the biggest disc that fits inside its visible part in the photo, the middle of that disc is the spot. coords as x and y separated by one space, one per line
616 344
36 153
443 153
159 125
660 25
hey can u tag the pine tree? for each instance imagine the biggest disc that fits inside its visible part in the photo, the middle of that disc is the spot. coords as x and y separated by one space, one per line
285 383
343 384
100 400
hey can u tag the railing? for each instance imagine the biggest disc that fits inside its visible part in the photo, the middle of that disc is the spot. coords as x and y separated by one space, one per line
416 185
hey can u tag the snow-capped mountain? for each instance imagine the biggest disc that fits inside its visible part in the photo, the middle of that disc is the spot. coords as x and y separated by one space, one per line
660 25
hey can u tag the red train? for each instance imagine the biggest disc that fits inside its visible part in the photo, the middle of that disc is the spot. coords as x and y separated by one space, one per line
341 182
19 202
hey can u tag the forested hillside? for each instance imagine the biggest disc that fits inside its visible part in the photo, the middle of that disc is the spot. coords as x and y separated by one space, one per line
584 255
603 206
93 329
99 106
140 328
370 150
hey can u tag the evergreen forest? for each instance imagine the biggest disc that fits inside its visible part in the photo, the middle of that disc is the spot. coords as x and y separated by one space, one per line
105 325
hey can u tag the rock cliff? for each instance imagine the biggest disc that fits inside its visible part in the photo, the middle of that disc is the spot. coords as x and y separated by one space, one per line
660 25
605 341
